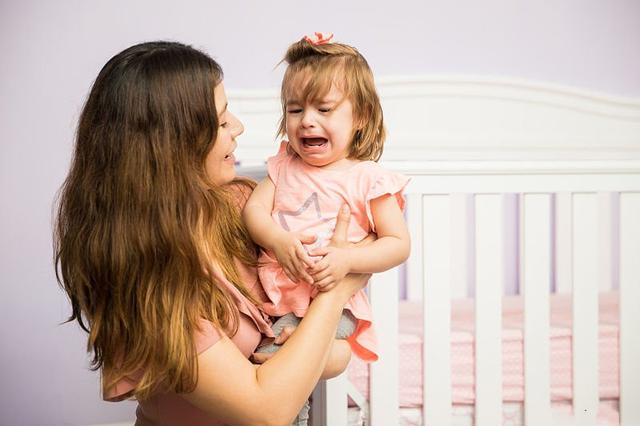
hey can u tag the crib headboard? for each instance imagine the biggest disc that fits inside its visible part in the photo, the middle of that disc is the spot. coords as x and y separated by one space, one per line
473 119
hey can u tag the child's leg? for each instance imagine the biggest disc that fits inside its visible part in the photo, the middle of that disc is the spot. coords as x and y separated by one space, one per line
347 325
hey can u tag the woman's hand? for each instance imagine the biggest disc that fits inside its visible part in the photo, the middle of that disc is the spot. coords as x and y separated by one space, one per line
261 357
337 259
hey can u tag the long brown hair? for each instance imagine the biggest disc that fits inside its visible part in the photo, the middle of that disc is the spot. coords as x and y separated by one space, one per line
322 65
139 222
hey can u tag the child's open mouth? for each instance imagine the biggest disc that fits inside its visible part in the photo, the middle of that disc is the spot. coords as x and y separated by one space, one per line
313 142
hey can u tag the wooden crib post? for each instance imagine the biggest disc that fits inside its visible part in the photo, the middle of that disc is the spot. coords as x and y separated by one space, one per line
436 361
383 374
488 308
585 308
329 402
535 274
629 309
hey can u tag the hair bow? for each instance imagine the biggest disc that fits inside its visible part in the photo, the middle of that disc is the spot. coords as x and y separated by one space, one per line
319 38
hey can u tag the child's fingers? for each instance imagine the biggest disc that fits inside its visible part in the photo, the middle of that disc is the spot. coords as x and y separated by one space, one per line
307 239
320 251
320 265
324 282
290 274
328 286
301 272
303 257
321 276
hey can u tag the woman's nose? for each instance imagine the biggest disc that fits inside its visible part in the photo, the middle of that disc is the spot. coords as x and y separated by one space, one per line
238 128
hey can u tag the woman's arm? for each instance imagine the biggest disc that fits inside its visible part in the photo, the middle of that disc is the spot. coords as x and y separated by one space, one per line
235 391
338 361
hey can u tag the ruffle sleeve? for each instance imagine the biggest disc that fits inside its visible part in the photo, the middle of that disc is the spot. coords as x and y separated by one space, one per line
386 182
275 163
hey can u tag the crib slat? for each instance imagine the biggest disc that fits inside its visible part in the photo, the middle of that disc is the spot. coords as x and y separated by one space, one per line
462 245
629 312
437 311
330 402
585 308
383 378
488 313
606 201
563 220
414 265
535 280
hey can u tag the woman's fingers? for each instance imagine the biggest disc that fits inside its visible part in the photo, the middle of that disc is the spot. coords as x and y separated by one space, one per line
342 225
261 357
366 240
284 334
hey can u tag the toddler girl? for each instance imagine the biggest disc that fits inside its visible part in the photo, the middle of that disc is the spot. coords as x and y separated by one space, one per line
332 120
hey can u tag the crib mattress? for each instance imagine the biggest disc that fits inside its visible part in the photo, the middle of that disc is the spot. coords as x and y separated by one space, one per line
462 351
512 414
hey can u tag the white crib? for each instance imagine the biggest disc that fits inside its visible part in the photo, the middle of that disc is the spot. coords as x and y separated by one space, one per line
572 159
595 212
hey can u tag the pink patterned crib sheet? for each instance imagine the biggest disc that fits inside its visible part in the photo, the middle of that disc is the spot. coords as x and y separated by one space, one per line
462 351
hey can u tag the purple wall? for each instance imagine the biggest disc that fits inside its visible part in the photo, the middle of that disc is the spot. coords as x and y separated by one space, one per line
52 51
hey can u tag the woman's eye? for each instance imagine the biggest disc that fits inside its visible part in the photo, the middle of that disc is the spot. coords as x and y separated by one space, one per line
224 125
324 109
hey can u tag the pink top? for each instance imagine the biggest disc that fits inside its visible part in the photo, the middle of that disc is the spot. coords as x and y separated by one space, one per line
307 199
171 409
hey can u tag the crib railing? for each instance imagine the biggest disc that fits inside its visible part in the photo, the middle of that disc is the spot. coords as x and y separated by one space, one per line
578 231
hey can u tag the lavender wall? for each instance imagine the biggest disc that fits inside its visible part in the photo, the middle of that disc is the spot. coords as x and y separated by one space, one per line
51 52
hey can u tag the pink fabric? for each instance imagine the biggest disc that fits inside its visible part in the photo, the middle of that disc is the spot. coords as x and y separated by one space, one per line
308 198
171 409
462 352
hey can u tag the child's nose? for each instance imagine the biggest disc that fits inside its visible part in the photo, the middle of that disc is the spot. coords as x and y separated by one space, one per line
307 119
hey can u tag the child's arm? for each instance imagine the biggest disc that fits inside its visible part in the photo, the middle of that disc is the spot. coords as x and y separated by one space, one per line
287 246
390 249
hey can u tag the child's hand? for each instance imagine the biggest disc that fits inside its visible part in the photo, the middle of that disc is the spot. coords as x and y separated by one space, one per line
334 265
292 256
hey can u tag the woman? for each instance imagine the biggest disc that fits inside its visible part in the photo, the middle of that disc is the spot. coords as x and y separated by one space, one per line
152 253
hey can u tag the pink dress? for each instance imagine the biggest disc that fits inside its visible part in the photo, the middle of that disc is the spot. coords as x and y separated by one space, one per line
307 199
172 409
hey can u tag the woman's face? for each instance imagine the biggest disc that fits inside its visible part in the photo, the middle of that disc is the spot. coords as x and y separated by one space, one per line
220 162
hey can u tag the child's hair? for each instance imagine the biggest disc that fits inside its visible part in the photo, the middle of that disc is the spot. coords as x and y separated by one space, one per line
335 63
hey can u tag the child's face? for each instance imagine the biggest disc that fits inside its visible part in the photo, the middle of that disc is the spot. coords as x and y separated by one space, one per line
320 131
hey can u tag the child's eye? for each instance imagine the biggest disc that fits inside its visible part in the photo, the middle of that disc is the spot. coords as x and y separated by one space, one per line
324 109
294 111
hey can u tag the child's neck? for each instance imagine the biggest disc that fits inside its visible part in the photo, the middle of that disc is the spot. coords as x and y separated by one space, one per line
342 164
